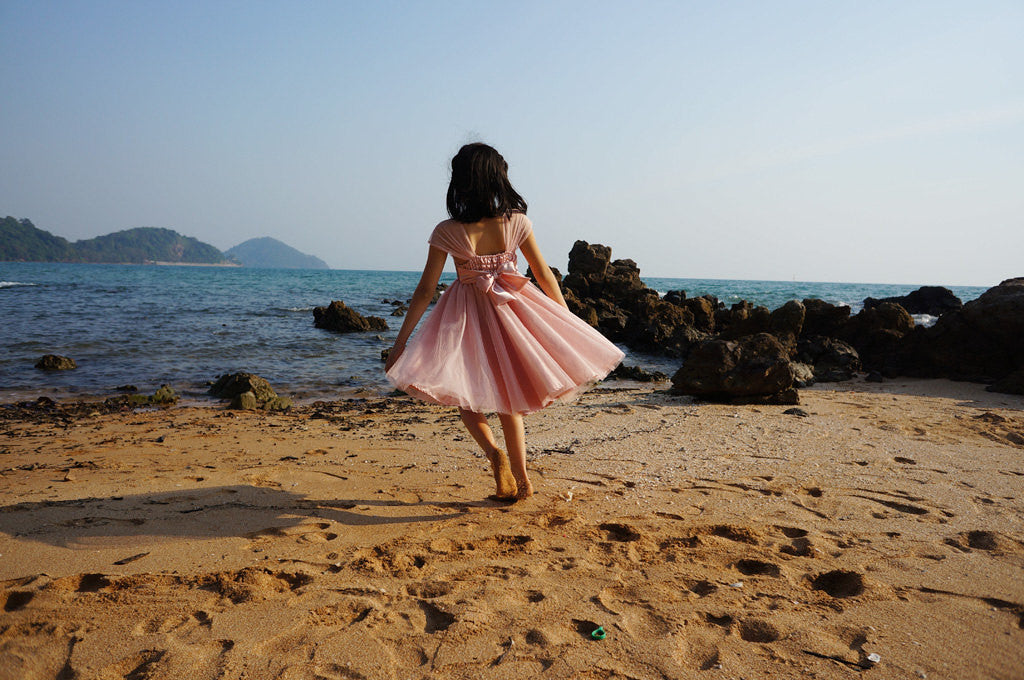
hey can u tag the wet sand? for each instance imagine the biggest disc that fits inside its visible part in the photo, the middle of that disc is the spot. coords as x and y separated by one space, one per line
881 534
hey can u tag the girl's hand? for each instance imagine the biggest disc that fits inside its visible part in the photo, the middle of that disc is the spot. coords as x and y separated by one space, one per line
393 355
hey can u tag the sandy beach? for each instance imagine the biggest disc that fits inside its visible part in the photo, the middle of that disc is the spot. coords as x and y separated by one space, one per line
879 534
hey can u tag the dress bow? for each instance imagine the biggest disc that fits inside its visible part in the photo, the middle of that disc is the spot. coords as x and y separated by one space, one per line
499 284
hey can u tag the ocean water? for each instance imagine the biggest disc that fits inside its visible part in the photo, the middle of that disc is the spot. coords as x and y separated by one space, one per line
184 326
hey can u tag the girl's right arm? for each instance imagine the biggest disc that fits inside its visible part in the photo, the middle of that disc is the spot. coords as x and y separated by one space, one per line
420 301
541 271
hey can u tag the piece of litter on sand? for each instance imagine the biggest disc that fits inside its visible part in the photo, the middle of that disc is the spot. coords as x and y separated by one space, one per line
598 633
738 584
874 658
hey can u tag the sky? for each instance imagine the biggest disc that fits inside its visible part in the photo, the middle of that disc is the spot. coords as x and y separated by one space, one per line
867 141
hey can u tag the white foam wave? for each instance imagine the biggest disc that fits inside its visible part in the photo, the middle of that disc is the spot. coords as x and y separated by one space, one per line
925 320
11 284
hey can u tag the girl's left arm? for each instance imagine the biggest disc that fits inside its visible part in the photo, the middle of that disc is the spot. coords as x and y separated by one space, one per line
420 301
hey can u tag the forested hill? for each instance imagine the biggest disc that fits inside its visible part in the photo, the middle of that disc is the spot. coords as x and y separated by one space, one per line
269 253
20 240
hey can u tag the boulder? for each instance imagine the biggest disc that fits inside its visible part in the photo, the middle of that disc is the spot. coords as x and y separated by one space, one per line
983 341
340 318
585 258
932 300
231 385
742 319
824 318
803 374
831 360
786 322
876 334
245 401
164 396
55 362
753 369
278 404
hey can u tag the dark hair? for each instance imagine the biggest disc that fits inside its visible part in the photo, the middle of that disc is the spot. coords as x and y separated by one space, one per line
480 186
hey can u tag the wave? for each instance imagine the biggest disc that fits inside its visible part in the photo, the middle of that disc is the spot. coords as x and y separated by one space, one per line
11 284
925 320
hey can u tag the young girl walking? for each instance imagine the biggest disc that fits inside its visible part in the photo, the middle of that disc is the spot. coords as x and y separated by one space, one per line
494 342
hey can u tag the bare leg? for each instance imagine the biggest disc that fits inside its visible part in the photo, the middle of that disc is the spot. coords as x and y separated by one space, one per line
515 442
481 432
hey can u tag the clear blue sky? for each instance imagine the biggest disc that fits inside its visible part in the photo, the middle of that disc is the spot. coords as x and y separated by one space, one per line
823 141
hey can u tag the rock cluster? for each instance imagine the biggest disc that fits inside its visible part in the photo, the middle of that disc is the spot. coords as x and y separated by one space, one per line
340 318
749 353
248 391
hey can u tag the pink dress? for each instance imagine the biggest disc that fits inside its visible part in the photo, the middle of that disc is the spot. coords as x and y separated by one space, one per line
494 341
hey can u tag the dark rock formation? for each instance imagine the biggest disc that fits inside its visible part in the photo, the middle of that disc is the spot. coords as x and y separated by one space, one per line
557 274
824 318
55 362
876 334
231 385
340 318
1010 384
753 369
831 360
983 341
933 300
624 372
786 322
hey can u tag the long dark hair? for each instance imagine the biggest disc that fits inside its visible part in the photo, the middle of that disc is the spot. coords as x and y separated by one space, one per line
480 186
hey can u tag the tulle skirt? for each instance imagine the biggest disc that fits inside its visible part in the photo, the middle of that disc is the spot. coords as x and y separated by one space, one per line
514 357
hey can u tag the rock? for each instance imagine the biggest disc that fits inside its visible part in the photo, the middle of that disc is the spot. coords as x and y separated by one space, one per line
832 360
676 297
55 362
384 354
824 318
876 334
753 369
340 318
874 377
932 300
623 372
803 374
1009 384
585 258
796 412
164 395
127 388
244 401
400 310
981 342
742 319
786 322
278 404
439 289
231 385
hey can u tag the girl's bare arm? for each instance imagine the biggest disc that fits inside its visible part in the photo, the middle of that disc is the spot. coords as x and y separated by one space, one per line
420 301
545 279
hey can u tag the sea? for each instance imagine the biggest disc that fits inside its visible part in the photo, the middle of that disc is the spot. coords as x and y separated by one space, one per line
183 326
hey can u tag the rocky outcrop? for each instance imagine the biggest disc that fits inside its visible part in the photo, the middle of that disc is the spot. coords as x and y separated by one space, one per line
635 373
824 318
752 369
983 341
340 318
248 391
877 335
55 362
932 300
830 360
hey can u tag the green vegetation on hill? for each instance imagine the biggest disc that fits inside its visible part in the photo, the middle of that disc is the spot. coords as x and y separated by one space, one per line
20 240
269 253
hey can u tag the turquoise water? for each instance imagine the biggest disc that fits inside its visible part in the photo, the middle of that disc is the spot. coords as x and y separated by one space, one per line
149 325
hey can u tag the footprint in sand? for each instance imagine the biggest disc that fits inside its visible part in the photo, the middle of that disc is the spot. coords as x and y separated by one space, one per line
839 583
749 567
312 532
758 630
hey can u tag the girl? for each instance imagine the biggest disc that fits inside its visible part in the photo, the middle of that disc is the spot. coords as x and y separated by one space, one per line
494 342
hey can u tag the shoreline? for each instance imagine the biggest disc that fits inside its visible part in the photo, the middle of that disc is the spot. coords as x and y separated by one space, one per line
740 540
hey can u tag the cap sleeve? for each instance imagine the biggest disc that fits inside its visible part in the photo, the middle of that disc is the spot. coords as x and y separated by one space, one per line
443 238
522 227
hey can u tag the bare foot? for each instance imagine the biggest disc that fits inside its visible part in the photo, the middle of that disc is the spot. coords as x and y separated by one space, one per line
504 482
524 488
